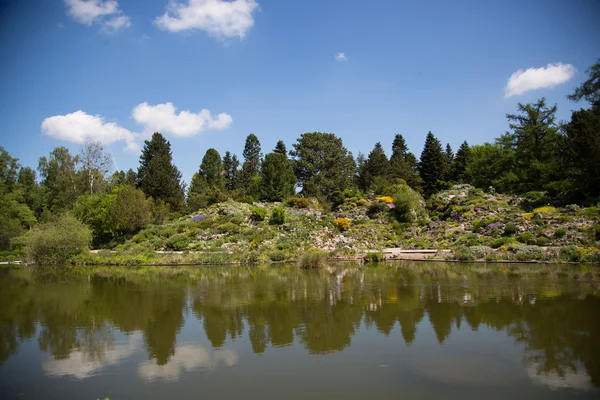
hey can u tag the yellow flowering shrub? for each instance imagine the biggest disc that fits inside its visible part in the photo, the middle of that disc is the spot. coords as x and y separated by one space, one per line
342 224
387 199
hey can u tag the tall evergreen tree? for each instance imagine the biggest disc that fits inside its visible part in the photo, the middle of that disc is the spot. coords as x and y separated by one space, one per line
432 165
590 89
230 168
208 184
280 148
403 163
582 153
322 164
361 172
157 176
278 179
459 173
252 162
377 166
536 141
449 153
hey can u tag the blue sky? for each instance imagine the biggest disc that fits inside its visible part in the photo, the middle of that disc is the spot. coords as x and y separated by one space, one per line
107 70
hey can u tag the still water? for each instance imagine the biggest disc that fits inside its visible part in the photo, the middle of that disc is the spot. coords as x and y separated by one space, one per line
394 330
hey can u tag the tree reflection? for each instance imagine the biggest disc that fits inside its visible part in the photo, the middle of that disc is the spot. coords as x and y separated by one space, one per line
320 310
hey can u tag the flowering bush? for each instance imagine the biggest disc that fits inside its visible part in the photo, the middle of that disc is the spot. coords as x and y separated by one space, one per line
198 217
342 224
385 199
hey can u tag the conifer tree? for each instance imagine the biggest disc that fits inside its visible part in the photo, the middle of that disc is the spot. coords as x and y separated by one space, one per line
278 179
231 171
432 165
252 162
280 148
157 176
377 166
459 172
403 163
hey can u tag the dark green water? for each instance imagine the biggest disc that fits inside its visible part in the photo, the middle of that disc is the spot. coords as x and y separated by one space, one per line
411 331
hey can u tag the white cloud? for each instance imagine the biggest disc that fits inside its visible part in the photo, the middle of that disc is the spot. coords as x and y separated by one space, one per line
221 19
341 56
538 78
116 23
89 12
79 126
187 357
163 118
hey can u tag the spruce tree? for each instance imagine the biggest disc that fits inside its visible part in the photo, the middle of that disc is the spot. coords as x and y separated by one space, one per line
432 165
377 166
403 163
449 157
230 168
280 148
252 162
208 184
459 171
157 176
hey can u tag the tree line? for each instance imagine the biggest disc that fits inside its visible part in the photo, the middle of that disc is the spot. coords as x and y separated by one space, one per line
536 154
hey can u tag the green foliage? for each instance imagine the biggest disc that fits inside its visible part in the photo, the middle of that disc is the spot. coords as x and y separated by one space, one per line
464 254
298 202
403 164
258 214
570 253
529 253
526 237
312 259
376 170
231 171
54 243
459 172
432 166
322 164
178 242
560 233
247 200
481 252
373 257
277 216
252 162
278 179
376 209
590 89
509 230
60 181
409 206
157 176
492 165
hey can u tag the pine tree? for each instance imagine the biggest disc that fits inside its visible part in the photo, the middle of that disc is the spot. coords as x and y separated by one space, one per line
403 164
322 164
230 168
432 165
278 179
157 176
252 162
459 171
361 172
449 157
377 166
280 148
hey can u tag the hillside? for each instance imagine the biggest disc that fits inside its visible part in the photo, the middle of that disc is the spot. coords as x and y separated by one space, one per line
463 223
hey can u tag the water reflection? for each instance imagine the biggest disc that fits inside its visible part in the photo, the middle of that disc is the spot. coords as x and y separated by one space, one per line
555 317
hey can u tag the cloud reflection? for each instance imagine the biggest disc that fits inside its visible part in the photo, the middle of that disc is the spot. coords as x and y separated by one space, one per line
187 357
86 362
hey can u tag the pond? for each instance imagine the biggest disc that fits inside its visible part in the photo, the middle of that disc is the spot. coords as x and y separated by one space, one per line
394 330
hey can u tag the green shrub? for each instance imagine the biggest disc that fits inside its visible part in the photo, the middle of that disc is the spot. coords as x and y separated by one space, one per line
500 242
560 233
542 241
409 206
528 253
481 251
312 259
298 202
592 257
246 199
526 237
277 216
228 227
277 256
258 214
509 230
373 257
464 254
570 253
178 242
376 209
54 243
